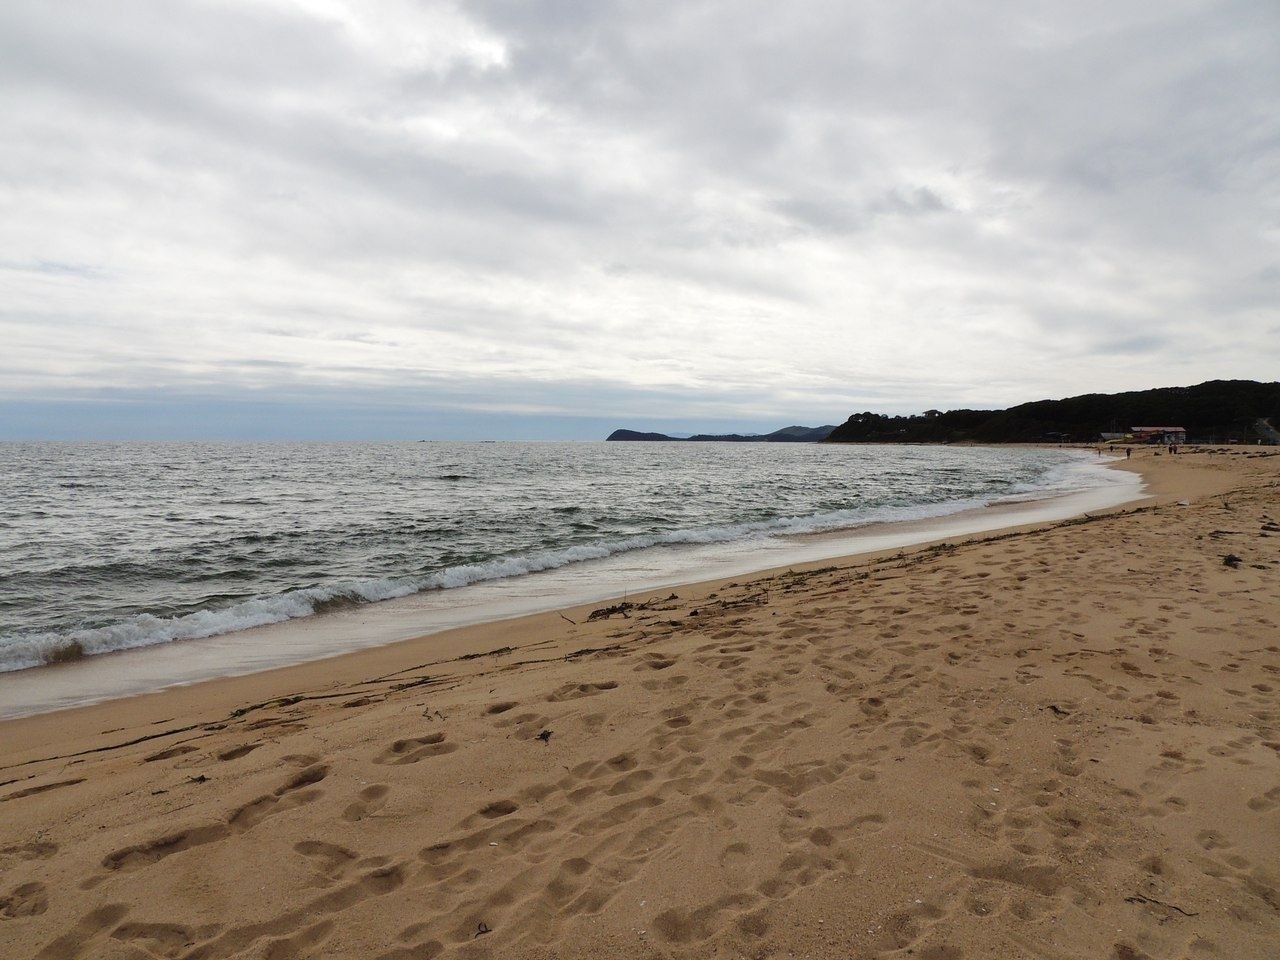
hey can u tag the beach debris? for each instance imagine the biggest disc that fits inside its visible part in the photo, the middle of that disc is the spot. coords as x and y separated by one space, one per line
481 929
623 609
604 613
1057 710
752 600
1139 898
488 653
199 779
275 702
563 617
1232 561
591 651
416 682
544 736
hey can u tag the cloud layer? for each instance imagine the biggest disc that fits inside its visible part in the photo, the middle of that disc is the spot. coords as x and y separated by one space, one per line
637 211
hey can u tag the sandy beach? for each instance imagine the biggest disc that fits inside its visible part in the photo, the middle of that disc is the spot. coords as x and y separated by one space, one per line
1054 741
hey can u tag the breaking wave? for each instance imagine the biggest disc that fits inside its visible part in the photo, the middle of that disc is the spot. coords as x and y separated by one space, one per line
129 546
22 651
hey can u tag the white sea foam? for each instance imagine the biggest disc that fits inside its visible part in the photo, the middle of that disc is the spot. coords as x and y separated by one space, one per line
21 651
24 651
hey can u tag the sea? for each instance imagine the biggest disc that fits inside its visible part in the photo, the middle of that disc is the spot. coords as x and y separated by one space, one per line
178 558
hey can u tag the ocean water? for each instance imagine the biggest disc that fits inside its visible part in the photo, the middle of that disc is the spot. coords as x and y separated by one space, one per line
115 546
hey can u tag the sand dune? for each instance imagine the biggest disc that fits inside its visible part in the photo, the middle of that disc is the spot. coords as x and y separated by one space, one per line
1052 743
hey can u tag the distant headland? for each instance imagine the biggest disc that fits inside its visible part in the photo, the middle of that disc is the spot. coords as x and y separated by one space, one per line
1217 411
792 434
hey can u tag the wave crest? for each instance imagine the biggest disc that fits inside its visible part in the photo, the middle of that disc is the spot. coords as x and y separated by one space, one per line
22 651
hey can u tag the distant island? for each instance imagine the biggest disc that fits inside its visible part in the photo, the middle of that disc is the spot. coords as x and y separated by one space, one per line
1218 411
785 435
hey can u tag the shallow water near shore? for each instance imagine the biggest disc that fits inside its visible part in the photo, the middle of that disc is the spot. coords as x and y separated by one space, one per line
256 556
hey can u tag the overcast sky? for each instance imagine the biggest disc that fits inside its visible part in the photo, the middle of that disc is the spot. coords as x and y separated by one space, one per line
512 219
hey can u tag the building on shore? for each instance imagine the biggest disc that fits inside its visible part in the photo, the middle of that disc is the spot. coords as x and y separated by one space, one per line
1159 434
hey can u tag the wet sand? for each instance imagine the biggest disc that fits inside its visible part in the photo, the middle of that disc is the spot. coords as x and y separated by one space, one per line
1055 741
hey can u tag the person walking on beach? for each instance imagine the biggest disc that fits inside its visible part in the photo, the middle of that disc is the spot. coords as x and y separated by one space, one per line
1128 452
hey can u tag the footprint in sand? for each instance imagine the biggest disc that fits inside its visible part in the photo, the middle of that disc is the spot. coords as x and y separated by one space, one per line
526 726
285 797
655 661
163 939
1267 801
372 799
38 850
290 795
71 945
575 691
43 788
27 900
735 856
330 861
178 751
499 808
902 930
236 752
1042 879
413 749
629 783
143 854
297 933
282 724
1212 840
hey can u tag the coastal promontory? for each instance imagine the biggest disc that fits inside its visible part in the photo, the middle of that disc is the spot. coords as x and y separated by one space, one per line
792 434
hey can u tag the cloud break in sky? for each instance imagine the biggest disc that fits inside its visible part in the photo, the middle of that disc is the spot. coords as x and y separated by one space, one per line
501 219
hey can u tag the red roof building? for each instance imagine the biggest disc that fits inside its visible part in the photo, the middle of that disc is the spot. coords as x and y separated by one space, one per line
1159 434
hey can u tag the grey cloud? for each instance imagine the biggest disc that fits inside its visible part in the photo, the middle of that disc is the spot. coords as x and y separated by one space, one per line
1141 344
53 268
801 202
842 215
